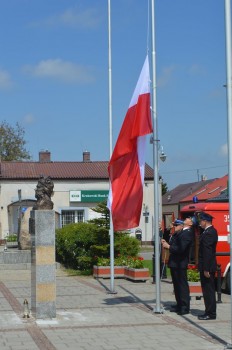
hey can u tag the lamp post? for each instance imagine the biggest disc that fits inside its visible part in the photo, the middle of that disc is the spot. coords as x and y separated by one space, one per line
162 157
146 218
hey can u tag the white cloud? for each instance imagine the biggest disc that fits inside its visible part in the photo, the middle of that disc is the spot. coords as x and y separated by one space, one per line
58 69
5 80
216 93
166 75
73 17
224 150
197 69
29 118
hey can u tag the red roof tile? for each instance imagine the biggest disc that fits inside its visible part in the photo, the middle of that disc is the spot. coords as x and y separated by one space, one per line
181 191
209 190
59 170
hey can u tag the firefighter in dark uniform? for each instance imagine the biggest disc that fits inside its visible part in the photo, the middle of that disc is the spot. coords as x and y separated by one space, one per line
207 265
179 247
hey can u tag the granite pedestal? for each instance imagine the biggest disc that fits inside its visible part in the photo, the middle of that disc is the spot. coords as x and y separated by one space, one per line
43 268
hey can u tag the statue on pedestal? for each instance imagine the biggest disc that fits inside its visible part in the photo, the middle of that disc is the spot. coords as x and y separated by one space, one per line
43 193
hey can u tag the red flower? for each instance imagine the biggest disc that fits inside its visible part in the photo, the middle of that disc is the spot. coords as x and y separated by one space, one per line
192 267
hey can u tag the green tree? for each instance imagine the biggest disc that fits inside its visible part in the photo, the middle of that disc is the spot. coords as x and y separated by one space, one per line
104 219
164 188
12 142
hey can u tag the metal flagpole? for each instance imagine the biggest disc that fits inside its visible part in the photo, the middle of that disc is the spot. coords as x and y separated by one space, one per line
111 232
157 308
229 125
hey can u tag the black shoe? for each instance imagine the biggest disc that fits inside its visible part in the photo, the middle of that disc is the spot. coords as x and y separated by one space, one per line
183 312
174 308
206 317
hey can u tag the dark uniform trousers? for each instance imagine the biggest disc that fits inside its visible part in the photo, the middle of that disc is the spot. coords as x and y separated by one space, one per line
208 289
181 288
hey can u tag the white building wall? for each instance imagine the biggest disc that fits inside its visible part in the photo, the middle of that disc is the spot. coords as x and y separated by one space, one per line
9 195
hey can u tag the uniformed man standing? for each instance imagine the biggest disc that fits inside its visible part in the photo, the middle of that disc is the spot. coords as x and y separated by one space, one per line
207 265
179 247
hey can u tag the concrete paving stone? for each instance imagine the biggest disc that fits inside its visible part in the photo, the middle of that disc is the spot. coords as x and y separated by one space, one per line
88 317
9 320
4 305
23 341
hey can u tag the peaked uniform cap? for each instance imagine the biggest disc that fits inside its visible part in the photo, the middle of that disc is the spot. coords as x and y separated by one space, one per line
178 222
205 216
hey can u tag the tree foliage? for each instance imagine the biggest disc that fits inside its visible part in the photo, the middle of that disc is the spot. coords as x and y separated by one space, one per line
164 188
12 142
104 219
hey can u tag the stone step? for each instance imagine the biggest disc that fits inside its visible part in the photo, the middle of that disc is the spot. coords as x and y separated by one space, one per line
21 266
14 259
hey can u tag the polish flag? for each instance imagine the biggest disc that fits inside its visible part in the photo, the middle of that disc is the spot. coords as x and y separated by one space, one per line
126 166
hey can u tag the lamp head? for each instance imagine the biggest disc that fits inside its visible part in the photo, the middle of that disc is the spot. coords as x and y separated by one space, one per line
163 156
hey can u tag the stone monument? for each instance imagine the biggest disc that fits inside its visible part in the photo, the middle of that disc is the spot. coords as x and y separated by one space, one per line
24 235
43 265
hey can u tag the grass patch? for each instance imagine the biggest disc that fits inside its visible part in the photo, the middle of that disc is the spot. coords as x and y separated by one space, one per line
72 272
146 248
149 264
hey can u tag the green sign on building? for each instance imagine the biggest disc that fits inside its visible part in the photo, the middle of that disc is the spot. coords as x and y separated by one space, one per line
88 196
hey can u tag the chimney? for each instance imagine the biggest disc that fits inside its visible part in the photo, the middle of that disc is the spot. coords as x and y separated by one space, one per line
86 156
44 156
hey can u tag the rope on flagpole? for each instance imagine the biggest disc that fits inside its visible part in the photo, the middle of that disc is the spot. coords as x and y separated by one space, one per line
148 25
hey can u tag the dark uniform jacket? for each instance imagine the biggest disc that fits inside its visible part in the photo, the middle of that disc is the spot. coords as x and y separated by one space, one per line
207 250
180 245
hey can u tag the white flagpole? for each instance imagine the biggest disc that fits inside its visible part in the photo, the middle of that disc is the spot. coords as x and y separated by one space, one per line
229 125
111 232
157 308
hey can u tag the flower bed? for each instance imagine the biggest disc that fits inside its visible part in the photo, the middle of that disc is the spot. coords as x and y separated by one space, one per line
104 271
193 276
131 268
137 274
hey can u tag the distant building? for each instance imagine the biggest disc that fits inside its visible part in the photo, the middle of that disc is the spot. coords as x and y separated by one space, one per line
78 187
184 194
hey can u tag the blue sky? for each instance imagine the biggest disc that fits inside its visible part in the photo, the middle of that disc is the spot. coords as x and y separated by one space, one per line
54 78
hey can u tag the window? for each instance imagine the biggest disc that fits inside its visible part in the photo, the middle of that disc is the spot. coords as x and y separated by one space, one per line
71 216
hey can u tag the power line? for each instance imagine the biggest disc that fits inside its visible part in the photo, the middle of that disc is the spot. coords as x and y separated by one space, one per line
195 169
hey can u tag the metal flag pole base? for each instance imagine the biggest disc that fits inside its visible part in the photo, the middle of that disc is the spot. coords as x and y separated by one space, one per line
228 346
114 292
161 311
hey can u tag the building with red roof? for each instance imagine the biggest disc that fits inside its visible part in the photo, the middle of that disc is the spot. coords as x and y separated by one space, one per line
78 187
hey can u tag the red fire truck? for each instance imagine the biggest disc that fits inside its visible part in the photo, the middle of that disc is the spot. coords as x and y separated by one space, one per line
220 212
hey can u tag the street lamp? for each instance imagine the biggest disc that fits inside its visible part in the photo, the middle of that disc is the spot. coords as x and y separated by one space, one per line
162 156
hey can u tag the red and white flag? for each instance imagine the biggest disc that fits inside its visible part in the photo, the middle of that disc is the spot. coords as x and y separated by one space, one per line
126 166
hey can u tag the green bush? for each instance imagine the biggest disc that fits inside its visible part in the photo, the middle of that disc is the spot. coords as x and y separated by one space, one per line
193 275
74 241
100 250
136 262
103 261
85 263
126 245
12 238
78 246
